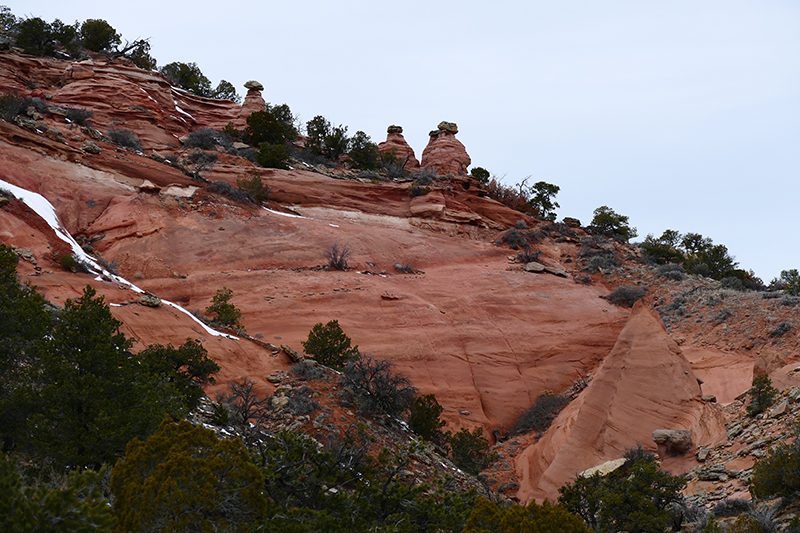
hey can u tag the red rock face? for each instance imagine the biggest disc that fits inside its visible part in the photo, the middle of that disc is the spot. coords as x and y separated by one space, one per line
446 154
478 332
119 93
643 385
395 141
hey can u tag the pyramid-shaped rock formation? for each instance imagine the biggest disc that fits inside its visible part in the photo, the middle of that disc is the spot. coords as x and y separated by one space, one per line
445 154
643 385
396 143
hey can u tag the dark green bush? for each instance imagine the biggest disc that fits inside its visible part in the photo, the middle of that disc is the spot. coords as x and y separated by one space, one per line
35 37
226 91
187 368
637 453
470 451
778 474
184 478
762 394
542 196
124 137
77 506
488 516
224 313
480 174
635 498
139 54
423 418
188 76
325 139
274 125
781 329
273 156
329 345
607 222
98 35
68 262
364 152
665 249
12 106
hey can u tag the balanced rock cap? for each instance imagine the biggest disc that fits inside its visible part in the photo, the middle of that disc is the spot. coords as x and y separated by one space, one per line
448 126
394 129
253 85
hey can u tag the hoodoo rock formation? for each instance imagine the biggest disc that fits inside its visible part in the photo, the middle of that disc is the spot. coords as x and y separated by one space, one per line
643 385
395 142
445 154
253 101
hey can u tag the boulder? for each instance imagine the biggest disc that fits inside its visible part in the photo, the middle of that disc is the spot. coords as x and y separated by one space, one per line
533 266
603 469
150 300
293 355
253 85
91 147
445 154
780 410
673 441
402 151
450 127
561 273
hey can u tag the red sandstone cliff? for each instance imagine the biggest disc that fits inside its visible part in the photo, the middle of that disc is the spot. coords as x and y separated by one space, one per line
479 332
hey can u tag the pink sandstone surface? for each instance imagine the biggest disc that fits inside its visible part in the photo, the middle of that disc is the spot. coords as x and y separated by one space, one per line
644 384
445 154
483 335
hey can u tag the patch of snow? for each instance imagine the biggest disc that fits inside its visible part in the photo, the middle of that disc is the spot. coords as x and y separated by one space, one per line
182 111
148 95
210 331
42 207
290 215
333 225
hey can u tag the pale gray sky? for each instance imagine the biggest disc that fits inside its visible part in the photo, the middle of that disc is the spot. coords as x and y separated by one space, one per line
680 114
